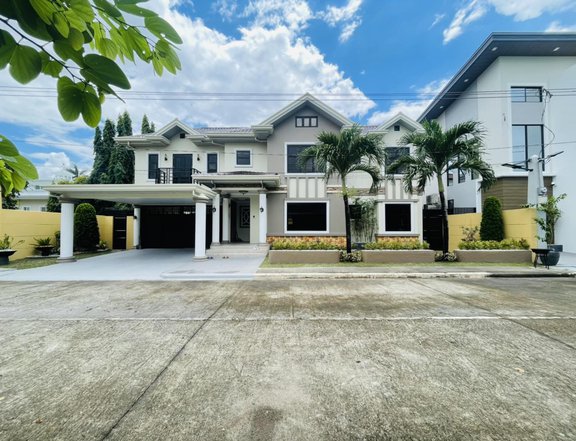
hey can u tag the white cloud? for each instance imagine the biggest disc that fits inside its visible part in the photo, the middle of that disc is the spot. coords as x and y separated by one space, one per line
411 108
556 26
226 8
294 14
520 10
474 11
53 165
437 19
347 16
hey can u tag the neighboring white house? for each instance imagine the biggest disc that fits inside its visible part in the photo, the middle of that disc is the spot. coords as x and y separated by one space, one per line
522 88
249 181
34 197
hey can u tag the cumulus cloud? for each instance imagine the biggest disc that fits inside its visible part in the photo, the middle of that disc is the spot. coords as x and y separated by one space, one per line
249 77
294 14
346 16
52 165
411 108
519 10
226 8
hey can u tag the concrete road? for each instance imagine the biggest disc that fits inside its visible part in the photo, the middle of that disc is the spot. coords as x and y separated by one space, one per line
489 359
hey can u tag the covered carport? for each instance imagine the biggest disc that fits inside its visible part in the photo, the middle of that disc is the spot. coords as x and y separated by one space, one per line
191 200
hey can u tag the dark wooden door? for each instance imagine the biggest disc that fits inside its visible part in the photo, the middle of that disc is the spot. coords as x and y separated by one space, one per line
432 228
182 168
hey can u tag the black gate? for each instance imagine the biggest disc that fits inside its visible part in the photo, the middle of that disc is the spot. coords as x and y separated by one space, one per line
119 233
171 226
432 227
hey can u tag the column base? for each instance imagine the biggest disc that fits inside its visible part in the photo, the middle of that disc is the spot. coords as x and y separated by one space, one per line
66 259
200 258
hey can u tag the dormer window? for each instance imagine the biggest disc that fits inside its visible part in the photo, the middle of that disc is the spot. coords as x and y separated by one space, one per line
306 121
182 135
397 127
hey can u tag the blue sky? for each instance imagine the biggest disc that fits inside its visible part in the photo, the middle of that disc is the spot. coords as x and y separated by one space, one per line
367 58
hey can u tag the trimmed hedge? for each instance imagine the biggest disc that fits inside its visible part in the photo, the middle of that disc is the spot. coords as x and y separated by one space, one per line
308 243
86 232
506 244
397 244
492 225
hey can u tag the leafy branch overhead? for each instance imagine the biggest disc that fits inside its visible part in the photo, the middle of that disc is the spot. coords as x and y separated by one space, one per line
77 42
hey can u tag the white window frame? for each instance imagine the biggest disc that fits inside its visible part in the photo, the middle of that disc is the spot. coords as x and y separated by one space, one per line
412 218
298 201
160 158
217 161
286 144
25 208
236 157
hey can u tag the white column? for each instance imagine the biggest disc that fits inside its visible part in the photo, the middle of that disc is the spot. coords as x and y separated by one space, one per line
216 220
263 220
226 220
200 244
67 232
137 220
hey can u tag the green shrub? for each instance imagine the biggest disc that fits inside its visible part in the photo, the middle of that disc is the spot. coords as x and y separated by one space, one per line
354 256
397 244
307 243
86 233
492 225
440 256
506 244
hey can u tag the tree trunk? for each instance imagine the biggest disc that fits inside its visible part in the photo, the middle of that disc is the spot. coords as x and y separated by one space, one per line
444 209
347 217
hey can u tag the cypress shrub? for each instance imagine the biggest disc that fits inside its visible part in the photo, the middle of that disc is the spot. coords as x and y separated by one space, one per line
492 225
86 233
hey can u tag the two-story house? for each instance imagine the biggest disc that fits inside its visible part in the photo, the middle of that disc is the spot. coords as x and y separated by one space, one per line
522 88
197 187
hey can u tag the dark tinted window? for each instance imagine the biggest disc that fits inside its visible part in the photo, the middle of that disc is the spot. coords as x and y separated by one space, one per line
395 153
212 163
152 165
243 157
398 217
306 216
293 167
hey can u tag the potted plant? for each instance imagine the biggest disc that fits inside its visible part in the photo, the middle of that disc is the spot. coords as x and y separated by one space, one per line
43 245
6 249
547 222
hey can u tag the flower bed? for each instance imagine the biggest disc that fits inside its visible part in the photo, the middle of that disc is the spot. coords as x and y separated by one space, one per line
491 251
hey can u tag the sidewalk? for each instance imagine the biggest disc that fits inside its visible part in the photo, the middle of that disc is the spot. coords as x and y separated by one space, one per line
565 268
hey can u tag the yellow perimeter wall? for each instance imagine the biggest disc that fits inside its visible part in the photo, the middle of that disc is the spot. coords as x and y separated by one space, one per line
518 224
26 225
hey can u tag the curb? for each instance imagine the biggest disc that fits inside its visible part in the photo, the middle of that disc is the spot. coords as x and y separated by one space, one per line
459 275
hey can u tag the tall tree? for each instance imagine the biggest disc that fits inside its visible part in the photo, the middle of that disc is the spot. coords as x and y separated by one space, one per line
121 166
343 153
436 153
147 127
101 157
75 172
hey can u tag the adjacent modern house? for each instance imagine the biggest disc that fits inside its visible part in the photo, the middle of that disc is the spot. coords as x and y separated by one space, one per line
196 187
34 197
522 88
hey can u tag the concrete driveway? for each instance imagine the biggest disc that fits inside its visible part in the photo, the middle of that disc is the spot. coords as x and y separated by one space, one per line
147 264
298 360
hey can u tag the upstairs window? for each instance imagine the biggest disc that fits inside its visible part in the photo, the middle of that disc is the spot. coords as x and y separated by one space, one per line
306 121
526 94
527 141
212 163
243 158
397 127
152 165
292 163
395 153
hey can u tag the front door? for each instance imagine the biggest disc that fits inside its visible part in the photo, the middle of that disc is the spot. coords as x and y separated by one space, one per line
182 168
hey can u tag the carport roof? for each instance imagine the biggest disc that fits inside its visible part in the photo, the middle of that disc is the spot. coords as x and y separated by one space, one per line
174 194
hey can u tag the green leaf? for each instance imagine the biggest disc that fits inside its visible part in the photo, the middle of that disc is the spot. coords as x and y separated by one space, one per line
167 56
157 64
30 22
76 39
61 24
45 9
129 2
75 21
162 29
90 77
7 148
136 10
137 43
107 70
7 46
67 52
91 109
108 8
82 9
69 99
52 68
25 64
107 48
24 167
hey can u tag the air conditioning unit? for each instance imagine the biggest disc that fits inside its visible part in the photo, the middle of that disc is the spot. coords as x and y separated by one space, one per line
433 199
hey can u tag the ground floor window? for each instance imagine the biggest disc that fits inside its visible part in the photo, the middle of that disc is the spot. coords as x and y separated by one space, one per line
307 216
398 217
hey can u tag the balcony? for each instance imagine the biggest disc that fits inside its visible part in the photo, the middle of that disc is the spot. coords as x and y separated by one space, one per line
175 175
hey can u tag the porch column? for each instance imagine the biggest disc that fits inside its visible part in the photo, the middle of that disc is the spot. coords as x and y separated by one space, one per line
67 231
200 241
137 220
226 219
263 218
216 220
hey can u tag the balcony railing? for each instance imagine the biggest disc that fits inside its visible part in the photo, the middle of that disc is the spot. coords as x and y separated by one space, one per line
175 175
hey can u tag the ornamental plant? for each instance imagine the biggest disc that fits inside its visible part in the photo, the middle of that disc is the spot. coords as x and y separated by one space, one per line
506 244
492 225
397 244
86 233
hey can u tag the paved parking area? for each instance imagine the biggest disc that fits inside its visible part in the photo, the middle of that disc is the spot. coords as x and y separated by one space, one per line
289 360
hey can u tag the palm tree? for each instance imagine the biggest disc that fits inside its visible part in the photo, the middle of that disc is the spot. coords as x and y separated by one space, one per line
436 153
343 153
75 171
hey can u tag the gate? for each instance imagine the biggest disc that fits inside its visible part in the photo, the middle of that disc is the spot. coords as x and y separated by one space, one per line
432 227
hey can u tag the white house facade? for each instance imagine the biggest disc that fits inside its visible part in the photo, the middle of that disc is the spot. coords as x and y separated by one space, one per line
522 88
244 184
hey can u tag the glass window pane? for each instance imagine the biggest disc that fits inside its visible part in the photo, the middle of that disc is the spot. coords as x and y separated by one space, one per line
518 94
534 141
242 157
152 165
395 153
212 166
533 94
306 216
398 217
292 160
518 143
